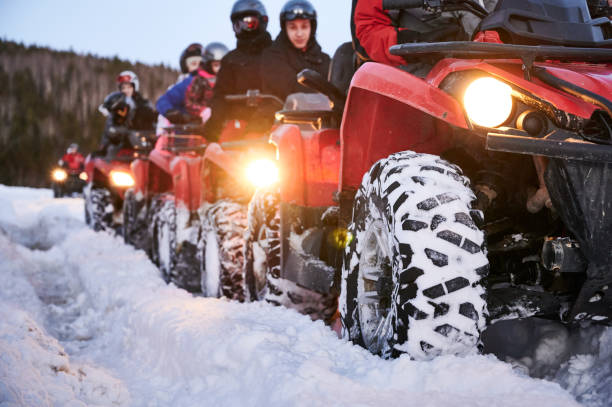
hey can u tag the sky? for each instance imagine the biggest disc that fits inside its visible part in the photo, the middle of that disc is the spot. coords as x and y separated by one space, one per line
150 31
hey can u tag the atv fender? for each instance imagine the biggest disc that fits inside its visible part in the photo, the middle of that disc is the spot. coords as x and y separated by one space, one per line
309 165
389 110
185 171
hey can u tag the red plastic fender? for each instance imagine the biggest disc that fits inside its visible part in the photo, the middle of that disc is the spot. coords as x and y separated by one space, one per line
185 170
309 165
140 171
389 110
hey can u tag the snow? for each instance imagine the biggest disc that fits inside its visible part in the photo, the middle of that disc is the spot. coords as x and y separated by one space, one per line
88 321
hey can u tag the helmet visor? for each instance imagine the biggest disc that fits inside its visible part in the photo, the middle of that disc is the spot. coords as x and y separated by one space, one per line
299 13
246 23
124 79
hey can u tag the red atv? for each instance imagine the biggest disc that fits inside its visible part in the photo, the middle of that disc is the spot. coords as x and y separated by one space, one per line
481 192
109 176
188 205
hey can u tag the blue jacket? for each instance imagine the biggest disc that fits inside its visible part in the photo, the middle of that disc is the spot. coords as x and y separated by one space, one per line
174 98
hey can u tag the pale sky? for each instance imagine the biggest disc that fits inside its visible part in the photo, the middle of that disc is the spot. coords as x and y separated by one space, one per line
147 31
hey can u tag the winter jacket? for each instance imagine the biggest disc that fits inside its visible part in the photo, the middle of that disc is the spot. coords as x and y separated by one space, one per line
376 30
73 162
239 73
142 116
190 96
282 62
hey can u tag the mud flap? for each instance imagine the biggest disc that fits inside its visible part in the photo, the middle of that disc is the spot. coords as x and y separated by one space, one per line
581 191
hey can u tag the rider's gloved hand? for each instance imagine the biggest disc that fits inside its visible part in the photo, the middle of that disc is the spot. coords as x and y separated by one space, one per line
177 117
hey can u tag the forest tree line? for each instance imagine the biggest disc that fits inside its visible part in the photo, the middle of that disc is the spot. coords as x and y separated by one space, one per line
49 99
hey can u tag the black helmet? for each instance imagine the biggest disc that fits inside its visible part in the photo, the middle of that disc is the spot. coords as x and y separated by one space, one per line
249 8
215 51
299 10
193 50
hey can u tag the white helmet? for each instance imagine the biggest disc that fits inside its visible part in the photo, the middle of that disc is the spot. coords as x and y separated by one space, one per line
128 77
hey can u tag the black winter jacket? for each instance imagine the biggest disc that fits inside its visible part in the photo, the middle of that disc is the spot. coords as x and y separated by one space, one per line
239 73
282 62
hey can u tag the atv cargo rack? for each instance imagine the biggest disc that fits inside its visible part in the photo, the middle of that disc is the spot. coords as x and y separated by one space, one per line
485 50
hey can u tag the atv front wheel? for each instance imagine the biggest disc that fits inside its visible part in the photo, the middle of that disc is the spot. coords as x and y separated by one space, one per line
262 244
135 225
221 250
99 208
163 234
412 276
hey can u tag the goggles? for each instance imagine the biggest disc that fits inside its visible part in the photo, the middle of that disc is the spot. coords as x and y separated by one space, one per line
246 23
124 79
298 13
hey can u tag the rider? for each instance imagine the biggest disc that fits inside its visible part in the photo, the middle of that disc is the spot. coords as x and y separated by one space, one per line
240 67
376 30
126 110
295 49
190 60
73 161
142 114
189 100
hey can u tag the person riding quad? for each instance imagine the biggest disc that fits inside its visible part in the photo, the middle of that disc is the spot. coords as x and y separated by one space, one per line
189 100
72 161
190 60
240 67
295 49
376 30
125 110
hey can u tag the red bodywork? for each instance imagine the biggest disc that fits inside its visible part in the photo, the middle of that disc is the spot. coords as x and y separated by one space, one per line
98 169
389 110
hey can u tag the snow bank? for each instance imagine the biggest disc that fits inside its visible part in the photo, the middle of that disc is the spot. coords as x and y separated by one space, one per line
143 343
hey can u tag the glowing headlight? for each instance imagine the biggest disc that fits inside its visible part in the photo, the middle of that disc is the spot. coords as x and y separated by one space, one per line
262 173
121 179
488 102
59 175
83 176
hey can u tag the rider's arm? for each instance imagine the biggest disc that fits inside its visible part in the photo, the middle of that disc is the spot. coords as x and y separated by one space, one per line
223 87
375 31
174 98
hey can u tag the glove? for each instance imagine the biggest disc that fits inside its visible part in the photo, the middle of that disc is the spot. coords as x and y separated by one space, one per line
177 117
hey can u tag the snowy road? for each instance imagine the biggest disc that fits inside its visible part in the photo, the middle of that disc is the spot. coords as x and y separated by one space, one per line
87 321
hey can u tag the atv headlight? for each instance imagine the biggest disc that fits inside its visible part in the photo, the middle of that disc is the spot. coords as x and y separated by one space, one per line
488 102
83 176
59 175
121 179
262 173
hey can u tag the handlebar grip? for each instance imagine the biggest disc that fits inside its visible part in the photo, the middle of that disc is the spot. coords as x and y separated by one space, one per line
401 4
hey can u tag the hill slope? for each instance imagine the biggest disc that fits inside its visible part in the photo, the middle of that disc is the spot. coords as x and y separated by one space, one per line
49 99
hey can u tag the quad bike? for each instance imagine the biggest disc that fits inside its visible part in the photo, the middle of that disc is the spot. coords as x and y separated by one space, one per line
67 182
188 205
482 192
108 178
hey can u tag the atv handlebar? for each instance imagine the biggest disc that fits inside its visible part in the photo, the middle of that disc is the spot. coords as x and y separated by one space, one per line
400 4
253 97
436 6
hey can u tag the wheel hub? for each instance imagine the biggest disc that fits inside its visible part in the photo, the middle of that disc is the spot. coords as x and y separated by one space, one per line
375 289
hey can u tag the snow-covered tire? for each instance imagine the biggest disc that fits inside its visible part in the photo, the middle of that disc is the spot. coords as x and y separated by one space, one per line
262 256
135 223
99 209
412 276
221 250
163 234
262 243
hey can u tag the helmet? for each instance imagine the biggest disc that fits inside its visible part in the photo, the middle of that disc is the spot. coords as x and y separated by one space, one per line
249 16
72 148
128 77
299 10
215 51
193 50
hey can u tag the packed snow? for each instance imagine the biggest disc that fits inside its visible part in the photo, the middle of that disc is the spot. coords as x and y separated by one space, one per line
87 321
